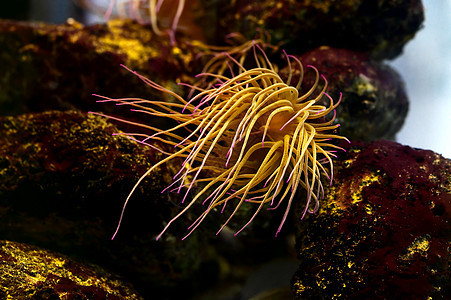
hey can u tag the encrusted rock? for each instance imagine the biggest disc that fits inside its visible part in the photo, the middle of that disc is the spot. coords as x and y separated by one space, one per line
383 231
63 181
29 272
375 102
379 27
60 66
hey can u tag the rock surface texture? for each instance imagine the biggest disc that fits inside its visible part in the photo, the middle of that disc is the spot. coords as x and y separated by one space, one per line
29 272
384 230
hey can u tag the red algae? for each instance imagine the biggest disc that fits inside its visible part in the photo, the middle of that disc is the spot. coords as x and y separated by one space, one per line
386 230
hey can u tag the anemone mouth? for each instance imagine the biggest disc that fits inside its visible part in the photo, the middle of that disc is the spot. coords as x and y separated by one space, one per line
250 139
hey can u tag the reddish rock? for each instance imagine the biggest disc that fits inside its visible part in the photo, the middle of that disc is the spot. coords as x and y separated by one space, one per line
374 104
383 231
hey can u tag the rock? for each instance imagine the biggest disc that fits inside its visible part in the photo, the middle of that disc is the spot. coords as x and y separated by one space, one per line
29 272
379 27
59 67
375 102
63 181
383 230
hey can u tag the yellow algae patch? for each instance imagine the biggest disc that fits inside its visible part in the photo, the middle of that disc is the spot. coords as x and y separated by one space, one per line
26 271
132 46
341 195
419 245
364 182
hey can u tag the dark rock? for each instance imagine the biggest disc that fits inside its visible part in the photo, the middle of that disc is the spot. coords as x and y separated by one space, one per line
375 102
383 230
59 67
379 27
29 272
63 181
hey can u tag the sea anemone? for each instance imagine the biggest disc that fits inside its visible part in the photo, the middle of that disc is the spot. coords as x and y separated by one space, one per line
249 139
144 11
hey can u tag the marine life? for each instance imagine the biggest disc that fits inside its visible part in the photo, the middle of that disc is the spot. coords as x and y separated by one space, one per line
250 139
155 12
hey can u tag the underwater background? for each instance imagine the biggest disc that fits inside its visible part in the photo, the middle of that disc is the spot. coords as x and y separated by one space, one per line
425 66
416 225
